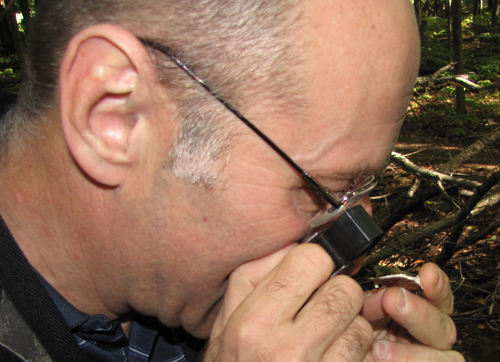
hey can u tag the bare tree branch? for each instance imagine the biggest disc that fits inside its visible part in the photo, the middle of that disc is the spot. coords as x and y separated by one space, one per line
461 80
394 246
450 246
469 152
409 166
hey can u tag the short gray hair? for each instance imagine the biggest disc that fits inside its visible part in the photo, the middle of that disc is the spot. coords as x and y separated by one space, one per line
244 48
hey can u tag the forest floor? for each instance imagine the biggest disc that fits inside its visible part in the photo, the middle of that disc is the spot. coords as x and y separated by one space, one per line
474 271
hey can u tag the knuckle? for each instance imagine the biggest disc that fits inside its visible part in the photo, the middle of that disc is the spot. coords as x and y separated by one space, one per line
339 301
305 264
281 288
245 336
356 342
247 333
365 328
348 287
360 336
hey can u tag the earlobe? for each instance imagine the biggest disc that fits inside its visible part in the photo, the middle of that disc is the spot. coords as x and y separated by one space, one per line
100 112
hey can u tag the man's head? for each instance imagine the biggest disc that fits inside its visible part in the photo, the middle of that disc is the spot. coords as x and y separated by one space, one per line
241 46
327 81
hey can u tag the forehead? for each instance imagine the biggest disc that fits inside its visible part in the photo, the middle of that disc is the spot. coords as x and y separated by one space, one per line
360 64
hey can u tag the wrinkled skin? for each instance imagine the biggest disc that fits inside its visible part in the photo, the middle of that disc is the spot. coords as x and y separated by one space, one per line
265 299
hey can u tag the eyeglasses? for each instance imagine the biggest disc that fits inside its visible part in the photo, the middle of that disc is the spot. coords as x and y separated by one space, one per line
334 223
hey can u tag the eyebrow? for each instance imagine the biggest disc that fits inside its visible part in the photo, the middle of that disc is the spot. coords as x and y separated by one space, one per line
356 171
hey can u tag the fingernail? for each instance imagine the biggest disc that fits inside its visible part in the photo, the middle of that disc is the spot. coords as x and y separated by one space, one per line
402 299
382 348
438 277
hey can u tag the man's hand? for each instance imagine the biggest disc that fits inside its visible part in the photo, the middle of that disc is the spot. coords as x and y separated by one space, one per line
408 327
284 308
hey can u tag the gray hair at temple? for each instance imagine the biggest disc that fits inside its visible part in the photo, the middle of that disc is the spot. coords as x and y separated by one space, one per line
243 48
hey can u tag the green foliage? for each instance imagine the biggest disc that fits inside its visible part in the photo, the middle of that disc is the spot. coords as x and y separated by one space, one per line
434 27
481 49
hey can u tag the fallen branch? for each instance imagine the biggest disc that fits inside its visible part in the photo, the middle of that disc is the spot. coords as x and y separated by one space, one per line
403 206
388 250
443 69
449 248
409 166
469 152
461 80
471 239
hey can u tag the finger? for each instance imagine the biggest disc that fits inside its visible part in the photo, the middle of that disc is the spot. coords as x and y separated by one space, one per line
436 286
243 281
354 344
424 321
270 308
331 310
282 294
372 305
385 351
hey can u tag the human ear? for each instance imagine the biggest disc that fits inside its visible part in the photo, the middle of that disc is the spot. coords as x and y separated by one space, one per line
104 80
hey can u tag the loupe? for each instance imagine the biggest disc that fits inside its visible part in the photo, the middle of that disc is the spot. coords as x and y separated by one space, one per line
350 236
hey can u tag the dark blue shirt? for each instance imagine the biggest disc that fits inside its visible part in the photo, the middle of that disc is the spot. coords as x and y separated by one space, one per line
103 340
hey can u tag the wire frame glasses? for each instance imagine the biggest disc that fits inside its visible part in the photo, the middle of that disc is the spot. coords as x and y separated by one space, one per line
334 207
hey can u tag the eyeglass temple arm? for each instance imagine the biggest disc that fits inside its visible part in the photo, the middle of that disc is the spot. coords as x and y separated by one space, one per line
306 176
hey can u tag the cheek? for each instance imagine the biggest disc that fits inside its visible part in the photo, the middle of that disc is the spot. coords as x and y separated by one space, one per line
268 221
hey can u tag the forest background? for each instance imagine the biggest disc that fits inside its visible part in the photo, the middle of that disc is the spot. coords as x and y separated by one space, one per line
438 199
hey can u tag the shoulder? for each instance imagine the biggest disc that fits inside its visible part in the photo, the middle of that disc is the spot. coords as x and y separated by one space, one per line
17 341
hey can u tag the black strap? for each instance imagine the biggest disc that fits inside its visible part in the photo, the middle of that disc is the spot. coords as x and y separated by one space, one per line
23 287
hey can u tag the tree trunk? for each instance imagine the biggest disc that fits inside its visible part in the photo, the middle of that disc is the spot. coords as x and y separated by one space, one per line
447 5
25 9
494 12
478 7
456 9
417 4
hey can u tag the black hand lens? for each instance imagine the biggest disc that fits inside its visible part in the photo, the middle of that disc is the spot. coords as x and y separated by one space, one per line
350 236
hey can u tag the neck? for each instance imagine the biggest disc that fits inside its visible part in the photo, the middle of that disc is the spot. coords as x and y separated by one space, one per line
37 206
